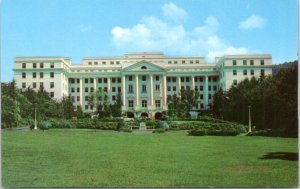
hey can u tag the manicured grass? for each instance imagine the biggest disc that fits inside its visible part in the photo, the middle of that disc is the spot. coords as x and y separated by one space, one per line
82 158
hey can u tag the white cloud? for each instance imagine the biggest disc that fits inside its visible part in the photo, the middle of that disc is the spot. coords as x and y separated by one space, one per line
253 22
154 34
173 12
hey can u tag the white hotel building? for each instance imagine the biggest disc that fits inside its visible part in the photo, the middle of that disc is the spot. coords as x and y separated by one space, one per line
143 79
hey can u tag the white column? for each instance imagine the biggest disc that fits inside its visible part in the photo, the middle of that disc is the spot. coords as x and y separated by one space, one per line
151 90
206 92
179 84
95 84
80 92
137 90
108 84
193 82
165 89
123 91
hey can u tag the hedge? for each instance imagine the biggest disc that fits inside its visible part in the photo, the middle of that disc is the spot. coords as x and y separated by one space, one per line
84 124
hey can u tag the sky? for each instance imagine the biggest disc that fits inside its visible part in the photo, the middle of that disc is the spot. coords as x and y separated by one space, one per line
96 28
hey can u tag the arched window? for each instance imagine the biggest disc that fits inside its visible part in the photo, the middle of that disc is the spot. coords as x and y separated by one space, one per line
143 67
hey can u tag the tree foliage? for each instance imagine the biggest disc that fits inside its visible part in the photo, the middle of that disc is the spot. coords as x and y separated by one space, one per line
273 101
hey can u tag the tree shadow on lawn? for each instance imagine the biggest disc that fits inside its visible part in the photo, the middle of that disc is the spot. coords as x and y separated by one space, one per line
290 156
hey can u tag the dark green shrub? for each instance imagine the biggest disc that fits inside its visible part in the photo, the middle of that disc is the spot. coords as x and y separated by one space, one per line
197 132
159 130
267 132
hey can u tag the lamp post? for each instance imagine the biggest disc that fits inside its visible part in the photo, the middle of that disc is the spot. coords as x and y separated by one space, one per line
249 119
35 125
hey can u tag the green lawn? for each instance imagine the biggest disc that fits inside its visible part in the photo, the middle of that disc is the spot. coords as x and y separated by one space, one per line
82 158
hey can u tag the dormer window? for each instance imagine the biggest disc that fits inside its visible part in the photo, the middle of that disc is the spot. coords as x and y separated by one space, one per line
143 67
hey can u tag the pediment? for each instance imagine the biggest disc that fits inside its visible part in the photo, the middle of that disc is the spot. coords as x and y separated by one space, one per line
144 66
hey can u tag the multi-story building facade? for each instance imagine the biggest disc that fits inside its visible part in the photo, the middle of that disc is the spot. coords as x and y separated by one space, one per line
143 79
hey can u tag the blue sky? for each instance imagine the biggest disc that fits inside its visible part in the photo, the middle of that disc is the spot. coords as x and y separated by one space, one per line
85 28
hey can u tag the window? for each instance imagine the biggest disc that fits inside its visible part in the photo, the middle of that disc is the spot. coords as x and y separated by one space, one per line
244 62
157 103
52 74
130 103
23 65
209 78
86 98
201 96
113 97
90 63
174 79
215 78
78 80
245 72
234 82
103 63
234 62
23 85
91 80
144 103
92 89
41 65
174 88
201 79
72 80
201 105
113 80
130 89
96 63
234 72
169 88
119 80
191 62
91 107
78 89
86 107
51 84
143 67
23 75
130 78
144 88
99 80
78 98
73 99
175 62
209 96
187 79
209 88
188 87
111 62
86 89
86 80
183 62
113 89
262 62
168 79
105 80
119 89
262 72
41 75
34 85
252 72
196 88
118 62
100 88
157 88
73 90
201 88
196 79
251 62
41 84
169 62
52 65
157 78
182 87
51 94
143 78
215 87
197 61
34 75
182 79
34 65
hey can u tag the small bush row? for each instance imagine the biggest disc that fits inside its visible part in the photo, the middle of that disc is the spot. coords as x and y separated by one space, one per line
267 132
84 124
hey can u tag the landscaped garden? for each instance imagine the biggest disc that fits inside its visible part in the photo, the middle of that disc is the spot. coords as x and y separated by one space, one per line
106 158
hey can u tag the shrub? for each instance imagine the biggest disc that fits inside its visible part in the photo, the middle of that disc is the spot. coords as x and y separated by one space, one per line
197 132
159 130
44 125
267 132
